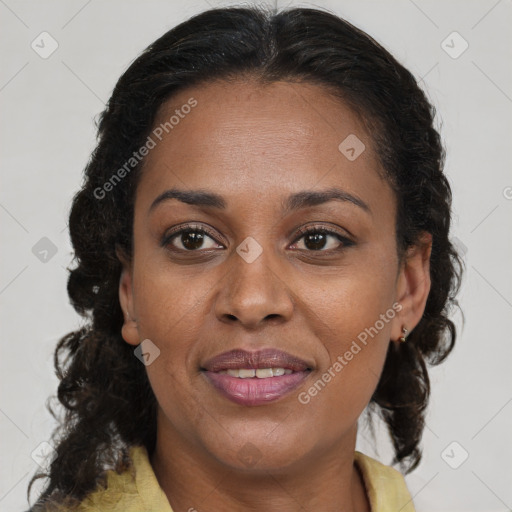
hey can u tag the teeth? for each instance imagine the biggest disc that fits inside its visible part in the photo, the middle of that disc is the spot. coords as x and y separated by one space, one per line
264 373
246 374
260 373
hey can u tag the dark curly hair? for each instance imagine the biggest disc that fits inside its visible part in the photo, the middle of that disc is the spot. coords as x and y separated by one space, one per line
108 403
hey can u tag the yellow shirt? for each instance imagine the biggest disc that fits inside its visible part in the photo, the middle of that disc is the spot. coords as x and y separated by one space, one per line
385 487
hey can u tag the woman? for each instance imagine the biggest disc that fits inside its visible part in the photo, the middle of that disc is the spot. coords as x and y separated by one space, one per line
262 254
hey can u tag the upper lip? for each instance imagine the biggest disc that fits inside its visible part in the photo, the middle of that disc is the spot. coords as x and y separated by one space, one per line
265 358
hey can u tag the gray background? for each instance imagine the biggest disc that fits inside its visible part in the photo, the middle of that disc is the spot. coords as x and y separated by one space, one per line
48 106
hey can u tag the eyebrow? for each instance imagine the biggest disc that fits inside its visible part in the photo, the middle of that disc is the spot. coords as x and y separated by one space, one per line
296 201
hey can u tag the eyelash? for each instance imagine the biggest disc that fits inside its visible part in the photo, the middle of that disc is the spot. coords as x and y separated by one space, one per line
345 242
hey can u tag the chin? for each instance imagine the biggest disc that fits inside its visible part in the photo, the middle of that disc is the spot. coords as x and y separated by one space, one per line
258 453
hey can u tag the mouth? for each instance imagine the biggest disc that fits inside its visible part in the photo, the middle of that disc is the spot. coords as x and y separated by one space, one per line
255 378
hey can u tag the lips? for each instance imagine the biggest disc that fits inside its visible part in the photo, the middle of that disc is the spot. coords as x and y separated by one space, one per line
245 389
267 358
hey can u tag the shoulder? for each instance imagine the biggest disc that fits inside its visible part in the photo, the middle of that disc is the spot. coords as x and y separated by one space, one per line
134 490
385 485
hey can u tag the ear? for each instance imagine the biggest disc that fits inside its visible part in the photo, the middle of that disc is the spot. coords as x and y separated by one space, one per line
413 286
129 330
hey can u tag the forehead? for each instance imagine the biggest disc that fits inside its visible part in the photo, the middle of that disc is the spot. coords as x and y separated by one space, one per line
244 137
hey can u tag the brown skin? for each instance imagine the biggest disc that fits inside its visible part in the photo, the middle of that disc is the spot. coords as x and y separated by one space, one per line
256 145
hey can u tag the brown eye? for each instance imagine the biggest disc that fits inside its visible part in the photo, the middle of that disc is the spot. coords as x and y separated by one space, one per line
323 240
191 238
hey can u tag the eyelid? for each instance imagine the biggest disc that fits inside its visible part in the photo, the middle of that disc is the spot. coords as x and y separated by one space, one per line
300 232
304 230
177 230
344 239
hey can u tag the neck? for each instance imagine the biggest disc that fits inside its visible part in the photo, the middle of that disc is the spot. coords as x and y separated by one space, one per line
194 480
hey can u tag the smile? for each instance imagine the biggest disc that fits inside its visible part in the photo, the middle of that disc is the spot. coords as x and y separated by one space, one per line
255 378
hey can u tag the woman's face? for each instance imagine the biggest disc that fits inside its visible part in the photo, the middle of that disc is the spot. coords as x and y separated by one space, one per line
253 282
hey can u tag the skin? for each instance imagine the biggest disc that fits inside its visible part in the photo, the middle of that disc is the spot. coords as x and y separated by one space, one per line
255 145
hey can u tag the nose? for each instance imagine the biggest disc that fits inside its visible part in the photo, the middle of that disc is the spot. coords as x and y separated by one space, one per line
253 293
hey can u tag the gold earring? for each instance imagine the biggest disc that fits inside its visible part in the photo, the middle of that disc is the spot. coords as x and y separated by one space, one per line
404 336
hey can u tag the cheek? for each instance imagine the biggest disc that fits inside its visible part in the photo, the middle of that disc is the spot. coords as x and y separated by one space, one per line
169 309
355 303
169 302
337 396
353 314
355 346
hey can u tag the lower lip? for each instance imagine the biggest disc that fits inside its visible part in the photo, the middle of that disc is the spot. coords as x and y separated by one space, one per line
254 391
